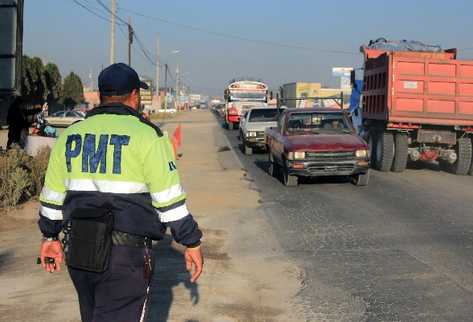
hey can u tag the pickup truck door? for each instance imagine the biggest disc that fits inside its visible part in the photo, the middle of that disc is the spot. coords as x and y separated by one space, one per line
278 142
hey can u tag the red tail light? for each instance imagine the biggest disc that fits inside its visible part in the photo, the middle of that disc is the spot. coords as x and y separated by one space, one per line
233 111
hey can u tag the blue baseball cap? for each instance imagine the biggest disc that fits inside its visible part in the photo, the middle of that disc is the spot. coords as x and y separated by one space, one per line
119 79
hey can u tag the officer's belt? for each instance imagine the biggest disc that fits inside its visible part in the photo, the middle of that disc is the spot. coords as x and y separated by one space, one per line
120 238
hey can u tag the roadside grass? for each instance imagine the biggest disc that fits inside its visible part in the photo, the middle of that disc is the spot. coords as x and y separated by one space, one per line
163 117
21 176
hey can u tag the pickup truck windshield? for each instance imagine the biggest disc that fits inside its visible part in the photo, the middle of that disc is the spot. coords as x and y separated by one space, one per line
264 115
317 122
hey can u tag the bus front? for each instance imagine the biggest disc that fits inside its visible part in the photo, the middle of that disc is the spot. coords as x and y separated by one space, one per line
240 96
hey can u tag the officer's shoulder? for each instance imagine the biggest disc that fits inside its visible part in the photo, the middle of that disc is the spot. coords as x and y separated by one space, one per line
148 129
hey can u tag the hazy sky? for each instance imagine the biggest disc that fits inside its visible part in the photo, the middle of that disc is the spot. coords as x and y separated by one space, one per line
291 40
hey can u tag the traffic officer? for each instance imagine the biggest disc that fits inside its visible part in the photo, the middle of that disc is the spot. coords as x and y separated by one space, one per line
112 185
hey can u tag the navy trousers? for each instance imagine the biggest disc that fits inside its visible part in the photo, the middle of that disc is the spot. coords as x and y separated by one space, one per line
117 294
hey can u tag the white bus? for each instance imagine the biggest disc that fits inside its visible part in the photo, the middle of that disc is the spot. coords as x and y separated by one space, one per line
241 95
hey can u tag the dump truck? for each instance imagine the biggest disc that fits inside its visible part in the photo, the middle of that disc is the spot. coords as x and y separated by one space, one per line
11 38
418 105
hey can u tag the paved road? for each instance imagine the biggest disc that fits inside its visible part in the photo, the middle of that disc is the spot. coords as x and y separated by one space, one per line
400 249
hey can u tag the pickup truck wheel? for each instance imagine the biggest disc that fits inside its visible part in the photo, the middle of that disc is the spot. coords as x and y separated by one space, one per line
471 167
248 150
289 180
361 179
384 151
400 152
464 153
231 126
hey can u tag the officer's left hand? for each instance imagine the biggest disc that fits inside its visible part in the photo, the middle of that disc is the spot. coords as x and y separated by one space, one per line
194 258
51 249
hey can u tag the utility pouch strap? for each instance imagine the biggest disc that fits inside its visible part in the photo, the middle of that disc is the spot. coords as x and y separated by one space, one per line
90 240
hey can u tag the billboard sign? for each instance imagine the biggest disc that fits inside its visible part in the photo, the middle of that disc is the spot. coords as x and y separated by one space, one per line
344 73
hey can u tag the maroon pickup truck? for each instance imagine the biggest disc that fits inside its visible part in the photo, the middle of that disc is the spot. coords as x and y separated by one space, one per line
316 142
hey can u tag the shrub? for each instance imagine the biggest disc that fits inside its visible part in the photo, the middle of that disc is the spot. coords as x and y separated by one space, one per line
21 176
38 166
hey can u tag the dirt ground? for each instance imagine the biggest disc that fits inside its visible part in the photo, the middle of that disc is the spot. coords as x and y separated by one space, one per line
246 275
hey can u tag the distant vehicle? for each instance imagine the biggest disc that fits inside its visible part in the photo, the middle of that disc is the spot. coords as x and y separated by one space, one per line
316 142
418 105
241 95
252 127
65 118
220 110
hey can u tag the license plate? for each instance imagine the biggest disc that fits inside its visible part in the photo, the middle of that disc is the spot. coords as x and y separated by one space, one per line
331 169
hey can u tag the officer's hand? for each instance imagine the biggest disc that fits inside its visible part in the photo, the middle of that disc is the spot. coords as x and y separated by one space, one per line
194 258
51 249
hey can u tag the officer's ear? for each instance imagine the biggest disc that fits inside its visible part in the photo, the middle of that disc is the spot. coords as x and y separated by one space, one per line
134 99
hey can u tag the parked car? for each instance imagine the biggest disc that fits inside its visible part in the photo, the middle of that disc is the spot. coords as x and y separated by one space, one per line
65 118
252 127
316 142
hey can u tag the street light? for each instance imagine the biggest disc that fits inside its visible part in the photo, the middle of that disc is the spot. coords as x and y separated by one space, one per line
173 52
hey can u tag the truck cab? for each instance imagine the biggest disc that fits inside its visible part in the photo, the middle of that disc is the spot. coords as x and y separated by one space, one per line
253 124
316 142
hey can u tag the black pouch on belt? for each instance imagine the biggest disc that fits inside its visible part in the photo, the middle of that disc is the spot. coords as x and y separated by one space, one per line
90 239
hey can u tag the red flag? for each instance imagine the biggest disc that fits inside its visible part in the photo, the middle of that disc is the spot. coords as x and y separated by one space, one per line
176 140
177 136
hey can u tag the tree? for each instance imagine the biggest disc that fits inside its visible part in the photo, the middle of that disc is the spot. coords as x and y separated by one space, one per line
73 91
34 85
53 82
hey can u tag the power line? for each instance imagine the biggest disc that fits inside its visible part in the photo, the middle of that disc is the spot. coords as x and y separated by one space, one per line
144 51
236 37
91 11
111 12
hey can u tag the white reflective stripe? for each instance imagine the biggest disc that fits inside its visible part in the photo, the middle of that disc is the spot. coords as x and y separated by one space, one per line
167 195
173 214
105 186
52 195
50 213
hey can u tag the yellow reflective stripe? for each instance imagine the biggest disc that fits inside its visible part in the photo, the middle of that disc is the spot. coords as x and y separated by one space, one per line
170 202
173 214
105 186
50 213
167 195
51 196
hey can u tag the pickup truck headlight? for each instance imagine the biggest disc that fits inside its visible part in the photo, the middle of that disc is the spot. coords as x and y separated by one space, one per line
361 154
300 155
250 134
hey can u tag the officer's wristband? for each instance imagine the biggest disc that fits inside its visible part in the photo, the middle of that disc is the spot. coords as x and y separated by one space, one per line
50 239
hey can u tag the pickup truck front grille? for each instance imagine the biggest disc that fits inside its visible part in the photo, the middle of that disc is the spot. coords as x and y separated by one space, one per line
339 169
330 156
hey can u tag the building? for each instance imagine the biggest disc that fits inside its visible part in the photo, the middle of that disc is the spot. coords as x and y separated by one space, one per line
292 94
92 98
291 91
146 95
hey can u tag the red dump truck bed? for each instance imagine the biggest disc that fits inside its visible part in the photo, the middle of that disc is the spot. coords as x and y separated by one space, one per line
418 88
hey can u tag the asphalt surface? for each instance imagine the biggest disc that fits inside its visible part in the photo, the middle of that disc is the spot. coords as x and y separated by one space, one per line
400 249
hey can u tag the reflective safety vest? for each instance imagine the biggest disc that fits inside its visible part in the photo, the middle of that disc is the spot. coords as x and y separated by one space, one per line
117 160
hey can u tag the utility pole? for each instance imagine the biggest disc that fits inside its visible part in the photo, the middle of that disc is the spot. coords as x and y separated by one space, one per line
157 66
130 40
112 33
177 86
166 86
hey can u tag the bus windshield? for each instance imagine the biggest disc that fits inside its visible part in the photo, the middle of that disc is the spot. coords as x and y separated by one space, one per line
254 96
